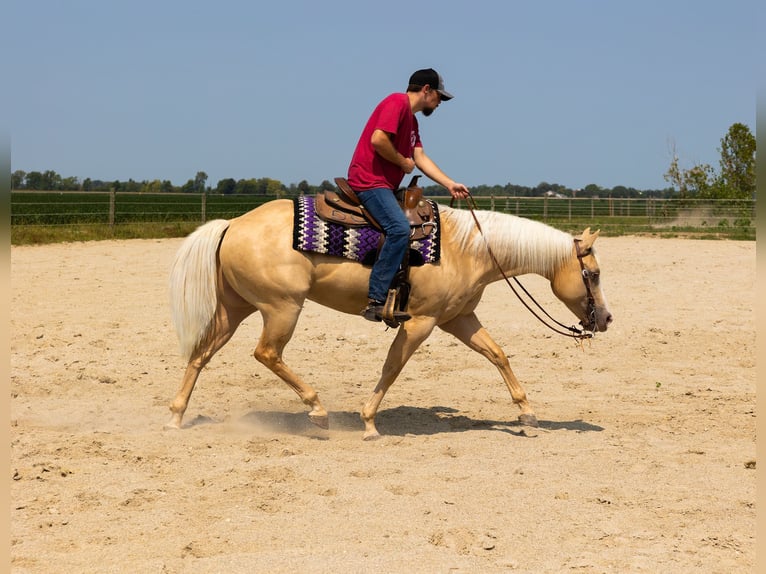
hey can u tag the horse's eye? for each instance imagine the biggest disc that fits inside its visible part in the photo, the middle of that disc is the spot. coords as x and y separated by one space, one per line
590 275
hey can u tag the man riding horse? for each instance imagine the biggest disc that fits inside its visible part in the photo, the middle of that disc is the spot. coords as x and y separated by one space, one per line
389 148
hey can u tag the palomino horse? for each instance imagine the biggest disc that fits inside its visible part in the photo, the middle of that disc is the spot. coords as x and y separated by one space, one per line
227 270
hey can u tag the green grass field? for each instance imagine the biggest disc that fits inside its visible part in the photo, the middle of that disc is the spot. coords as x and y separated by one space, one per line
45 217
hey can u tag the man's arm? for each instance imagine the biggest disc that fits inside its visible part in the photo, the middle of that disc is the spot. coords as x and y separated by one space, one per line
384 147
432 171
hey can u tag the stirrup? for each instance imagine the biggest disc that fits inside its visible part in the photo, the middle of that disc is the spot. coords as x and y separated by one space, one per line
390 315
386 312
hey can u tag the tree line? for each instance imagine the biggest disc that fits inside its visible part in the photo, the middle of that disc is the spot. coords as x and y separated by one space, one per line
734 180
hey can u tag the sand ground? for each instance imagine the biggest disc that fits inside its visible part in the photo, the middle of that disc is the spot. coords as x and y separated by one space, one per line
644 460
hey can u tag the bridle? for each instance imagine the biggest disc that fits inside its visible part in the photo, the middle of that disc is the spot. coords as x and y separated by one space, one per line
568 331
586 278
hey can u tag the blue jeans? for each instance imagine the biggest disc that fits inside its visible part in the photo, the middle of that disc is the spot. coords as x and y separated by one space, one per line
382 205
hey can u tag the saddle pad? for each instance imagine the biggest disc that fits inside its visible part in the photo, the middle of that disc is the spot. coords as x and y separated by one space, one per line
310 233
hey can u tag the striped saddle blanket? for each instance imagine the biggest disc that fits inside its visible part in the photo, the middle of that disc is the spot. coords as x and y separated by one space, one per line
312 234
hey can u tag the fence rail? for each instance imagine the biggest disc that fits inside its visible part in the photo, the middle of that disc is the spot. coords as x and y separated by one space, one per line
623 215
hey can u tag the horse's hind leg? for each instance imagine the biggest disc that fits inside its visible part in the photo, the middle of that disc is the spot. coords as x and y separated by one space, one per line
278 327
226 321
470 331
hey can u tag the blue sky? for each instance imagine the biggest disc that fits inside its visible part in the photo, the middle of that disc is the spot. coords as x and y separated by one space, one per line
571 92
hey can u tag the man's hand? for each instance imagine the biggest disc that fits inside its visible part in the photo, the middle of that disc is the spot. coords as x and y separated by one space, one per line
458 190
407 164
383 146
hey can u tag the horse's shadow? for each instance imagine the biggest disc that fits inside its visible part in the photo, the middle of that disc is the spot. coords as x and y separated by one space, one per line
408 420
400 421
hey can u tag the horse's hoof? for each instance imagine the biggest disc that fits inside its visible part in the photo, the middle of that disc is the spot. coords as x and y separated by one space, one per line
322 421
172 424
369 436
528 420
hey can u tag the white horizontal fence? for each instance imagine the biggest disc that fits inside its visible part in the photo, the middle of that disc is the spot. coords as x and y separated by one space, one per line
631 215
622 215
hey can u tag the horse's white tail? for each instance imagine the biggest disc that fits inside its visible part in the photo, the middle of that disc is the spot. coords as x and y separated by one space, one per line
193 296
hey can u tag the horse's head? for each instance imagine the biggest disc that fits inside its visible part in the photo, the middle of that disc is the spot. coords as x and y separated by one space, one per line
578 284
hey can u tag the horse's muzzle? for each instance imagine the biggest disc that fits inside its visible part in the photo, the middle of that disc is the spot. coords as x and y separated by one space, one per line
598 323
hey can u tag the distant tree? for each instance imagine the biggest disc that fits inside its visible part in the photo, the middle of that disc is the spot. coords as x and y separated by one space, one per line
674 176
52 180
35 181
226 186
736 179
189 186
542 187
260 184
737 176
18 178
304 187
700 180
246 186
620 191
591 190
167 186
690 183
326 186
199 181
100 185
491 190
518 190
273 187
48 180
71 183
132 186
154 186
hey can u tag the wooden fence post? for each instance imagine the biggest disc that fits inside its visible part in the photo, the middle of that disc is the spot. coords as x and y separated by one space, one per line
204 206
111 208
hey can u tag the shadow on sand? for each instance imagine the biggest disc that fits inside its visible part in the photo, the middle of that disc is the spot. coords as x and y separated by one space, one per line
396 421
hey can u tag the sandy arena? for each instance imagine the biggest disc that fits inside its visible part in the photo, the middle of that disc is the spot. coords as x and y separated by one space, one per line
644 460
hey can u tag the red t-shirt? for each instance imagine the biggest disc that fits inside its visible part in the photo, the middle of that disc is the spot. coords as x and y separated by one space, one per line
368 170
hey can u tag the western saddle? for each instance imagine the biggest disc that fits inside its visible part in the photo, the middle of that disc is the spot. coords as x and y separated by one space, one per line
342 206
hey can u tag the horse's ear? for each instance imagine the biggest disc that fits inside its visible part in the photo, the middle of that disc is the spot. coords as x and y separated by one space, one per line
587 239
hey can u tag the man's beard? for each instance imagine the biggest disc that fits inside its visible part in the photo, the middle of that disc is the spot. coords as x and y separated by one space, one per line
428 111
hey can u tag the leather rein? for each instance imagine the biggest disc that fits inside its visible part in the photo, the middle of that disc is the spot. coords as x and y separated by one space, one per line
568 331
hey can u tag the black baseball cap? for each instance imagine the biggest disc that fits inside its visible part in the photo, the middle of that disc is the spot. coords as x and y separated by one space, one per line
430 77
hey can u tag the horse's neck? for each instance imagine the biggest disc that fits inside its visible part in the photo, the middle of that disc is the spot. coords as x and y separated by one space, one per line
519 245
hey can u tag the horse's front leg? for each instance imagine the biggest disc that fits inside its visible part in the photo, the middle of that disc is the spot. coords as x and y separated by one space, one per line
411 334
470 331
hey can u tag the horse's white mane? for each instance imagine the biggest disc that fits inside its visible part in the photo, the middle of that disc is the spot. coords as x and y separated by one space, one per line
521 242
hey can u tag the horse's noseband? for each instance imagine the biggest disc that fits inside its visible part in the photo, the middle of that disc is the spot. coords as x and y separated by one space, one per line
586 279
